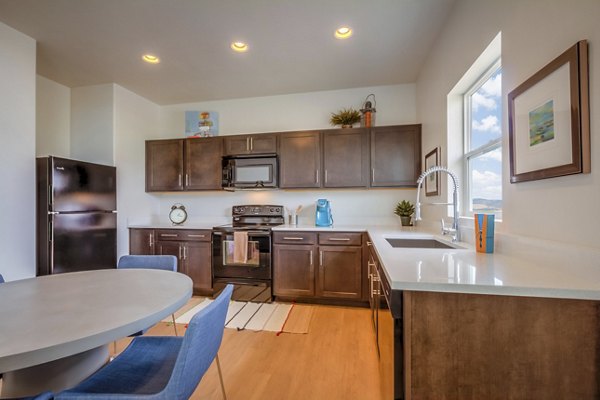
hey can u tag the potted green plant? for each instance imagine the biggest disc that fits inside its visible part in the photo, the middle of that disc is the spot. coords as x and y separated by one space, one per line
346 117
404 210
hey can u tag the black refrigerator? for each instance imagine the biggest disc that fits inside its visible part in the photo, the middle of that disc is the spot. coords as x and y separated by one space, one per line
76 216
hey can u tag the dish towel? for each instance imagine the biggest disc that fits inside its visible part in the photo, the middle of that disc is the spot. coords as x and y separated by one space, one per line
240 247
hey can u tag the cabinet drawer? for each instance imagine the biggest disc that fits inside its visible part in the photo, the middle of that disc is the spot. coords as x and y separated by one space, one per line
183 234
294 237
341 238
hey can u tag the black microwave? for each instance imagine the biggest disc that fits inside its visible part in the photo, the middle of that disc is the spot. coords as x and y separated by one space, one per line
250 172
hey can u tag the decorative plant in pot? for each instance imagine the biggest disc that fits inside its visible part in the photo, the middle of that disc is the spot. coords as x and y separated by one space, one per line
404 210
346 117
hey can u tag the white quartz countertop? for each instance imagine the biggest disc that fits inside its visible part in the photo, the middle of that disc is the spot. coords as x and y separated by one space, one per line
463 270
333 228
185 225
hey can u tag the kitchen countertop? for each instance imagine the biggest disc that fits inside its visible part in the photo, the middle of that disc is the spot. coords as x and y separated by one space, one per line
185 225
463 270
459 270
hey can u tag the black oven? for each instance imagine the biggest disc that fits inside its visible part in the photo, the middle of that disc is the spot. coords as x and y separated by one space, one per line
250 172
251 274
256 269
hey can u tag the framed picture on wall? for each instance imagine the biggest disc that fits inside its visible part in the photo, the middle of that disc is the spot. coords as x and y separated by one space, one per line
432 181
549 120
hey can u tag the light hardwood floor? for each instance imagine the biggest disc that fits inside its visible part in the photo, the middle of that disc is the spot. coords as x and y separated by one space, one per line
337 359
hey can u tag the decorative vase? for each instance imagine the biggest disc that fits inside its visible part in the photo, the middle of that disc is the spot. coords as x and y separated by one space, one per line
405 221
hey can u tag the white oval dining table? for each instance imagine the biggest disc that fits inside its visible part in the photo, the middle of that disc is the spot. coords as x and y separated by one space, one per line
55 330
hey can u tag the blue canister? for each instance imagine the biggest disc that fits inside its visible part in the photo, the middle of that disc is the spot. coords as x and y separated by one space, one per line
323 215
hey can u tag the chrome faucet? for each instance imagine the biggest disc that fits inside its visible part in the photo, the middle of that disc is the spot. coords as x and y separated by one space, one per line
453 230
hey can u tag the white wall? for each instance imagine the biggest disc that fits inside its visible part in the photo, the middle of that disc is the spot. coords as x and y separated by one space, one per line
136 120
53 118
395 105
17 154
92 123
533 33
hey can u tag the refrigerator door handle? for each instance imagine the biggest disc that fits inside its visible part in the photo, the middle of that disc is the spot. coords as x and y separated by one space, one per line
53 212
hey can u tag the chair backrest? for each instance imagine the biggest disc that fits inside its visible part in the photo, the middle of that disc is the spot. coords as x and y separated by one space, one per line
199 348
1 279
167 263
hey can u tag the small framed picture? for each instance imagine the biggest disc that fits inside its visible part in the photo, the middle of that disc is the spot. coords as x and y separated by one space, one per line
432 181
201 123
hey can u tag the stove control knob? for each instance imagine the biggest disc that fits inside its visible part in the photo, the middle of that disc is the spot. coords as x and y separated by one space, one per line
278 209
272 210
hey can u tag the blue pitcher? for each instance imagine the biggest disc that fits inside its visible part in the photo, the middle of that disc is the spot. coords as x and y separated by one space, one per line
323 216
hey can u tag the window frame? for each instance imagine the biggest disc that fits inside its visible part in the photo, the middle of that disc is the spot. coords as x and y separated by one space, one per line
492 145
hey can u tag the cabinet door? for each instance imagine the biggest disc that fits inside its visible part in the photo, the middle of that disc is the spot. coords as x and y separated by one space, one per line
164 165
141 241
345 158
171 248
197 265
299 160
203 167
339 273
239 144
294 270
260 144
395 156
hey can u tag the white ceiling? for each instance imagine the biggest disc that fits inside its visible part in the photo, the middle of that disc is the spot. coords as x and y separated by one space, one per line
292 48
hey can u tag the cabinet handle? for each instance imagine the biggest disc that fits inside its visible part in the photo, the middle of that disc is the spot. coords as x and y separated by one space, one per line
151 240
371 284
373 175
321 258
180 256
247 144
369 244
251 144
339 239
185 252
325 176
168 235
311 257
292 238
317 176
187 180
196 236
179 179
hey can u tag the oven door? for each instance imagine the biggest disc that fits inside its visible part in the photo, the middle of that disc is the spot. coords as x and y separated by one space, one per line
258 265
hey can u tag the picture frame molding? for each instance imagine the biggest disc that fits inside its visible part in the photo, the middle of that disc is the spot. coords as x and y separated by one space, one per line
577 59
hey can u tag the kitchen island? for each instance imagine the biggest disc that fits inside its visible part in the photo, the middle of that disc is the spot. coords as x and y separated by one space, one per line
465 325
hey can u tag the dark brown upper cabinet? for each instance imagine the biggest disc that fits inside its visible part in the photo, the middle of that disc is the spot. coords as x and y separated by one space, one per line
300 160
164 165
203 169
183 164
395 156
345 158
250 144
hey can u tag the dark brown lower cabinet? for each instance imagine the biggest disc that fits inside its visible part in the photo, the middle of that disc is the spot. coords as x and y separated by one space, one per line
302 268
294 270
191 247
340 272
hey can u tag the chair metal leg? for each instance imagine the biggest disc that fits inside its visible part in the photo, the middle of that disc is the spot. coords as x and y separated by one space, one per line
221 377
174 324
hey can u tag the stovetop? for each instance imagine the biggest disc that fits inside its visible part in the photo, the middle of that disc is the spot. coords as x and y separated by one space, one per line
254 217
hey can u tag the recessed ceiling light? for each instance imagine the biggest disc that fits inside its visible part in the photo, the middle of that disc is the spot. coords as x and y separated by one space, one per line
343 32
240 47
151 58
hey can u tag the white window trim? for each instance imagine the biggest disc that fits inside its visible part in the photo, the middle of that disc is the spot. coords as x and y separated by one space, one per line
467 129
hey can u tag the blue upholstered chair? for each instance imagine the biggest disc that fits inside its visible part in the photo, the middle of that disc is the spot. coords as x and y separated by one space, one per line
161 367
1 279
167 263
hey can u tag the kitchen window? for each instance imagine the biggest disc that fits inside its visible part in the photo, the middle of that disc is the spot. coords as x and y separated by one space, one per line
482 159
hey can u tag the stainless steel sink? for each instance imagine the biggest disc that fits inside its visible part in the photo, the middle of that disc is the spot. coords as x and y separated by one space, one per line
419 243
